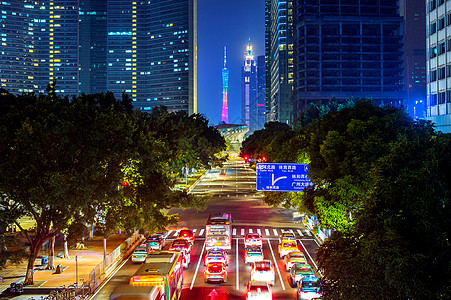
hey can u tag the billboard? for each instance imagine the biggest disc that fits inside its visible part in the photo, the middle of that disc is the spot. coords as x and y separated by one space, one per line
282 177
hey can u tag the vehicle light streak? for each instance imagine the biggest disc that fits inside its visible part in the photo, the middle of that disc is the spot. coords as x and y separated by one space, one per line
277 267
197 268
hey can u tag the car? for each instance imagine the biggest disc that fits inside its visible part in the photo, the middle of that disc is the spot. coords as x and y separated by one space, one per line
186 234
216 271
253 240
293 257
287 235
309 288
263 271
163 235
216 255
155 242
287 246
140 254
258 290
181 245
253 254
300 271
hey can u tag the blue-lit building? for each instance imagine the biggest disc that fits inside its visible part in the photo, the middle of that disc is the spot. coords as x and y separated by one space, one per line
279 60
347 49
152 53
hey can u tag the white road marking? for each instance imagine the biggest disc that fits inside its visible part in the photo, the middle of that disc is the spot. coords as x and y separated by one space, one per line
234 231
275 232
309 233
176 233
277 267
194 231
259 231
201 231
237 267
310 257
250 230
169 233
242 231
197 268
300 232
267 231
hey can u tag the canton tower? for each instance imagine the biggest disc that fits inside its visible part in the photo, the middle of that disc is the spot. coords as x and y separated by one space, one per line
225 86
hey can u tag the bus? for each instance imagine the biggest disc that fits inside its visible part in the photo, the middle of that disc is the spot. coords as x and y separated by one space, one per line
218 231
160 277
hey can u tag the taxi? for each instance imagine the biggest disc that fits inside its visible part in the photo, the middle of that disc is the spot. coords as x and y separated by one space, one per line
186 234
253 240
287 246
181 245
287 235
263 271
215 272
216 255
309 288
257 290
162 235
155 242
300 271
140 254
292 258
253 254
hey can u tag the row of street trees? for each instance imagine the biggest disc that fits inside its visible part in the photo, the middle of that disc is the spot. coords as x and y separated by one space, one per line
382 183
63 163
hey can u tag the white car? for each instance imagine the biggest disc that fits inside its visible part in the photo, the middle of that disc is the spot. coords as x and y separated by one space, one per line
263 271
140 254
253 254
216 255
258 291
253 240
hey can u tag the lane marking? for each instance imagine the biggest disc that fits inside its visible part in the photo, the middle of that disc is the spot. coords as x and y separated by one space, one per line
277 267
234 231
275 232
237 267
169 233
302 244
201 231
176 233
197 268
194 231
242 231
250 230
267 231
259 231
300 232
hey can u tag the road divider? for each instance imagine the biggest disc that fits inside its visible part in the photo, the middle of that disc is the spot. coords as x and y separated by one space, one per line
276 265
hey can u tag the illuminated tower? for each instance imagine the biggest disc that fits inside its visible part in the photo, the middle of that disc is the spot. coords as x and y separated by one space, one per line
225 86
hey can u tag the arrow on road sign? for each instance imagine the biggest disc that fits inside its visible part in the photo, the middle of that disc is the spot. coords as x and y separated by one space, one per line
213 295
281 177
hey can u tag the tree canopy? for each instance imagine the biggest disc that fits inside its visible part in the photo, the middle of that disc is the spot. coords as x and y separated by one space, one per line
62 161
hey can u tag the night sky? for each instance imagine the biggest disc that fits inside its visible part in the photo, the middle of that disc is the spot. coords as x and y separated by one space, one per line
225 23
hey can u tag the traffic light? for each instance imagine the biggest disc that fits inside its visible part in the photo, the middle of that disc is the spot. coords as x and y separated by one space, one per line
263 158
246 158
125 184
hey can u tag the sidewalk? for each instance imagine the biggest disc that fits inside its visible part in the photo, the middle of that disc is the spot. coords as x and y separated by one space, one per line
86 261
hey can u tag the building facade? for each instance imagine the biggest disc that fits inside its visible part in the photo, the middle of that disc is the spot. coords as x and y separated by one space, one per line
225 87
347 49
438 64
279 57
144 49
414 25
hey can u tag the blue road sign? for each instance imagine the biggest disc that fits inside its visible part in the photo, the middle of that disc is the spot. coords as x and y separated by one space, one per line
282 177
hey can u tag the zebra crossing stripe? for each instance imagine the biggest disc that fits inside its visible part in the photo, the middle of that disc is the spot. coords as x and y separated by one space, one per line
242 231
259 231
300 232
309 233
267 231
234 231
275 232
169 232
194 231
250 230
201 231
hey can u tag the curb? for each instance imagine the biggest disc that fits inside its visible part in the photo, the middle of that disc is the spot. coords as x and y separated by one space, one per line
196 182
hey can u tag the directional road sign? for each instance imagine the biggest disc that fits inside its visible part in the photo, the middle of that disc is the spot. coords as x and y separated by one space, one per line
282 177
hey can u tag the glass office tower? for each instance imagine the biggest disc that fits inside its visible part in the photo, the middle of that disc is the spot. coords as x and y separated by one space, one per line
152 53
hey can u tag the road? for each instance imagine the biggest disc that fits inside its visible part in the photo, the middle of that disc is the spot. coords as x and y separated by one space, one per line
233 191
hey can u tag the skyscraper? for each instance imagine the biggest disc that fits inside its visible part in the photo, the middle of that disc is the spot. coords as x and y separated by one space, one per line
252 91
225 86
347 49
279 55
152 48
438 64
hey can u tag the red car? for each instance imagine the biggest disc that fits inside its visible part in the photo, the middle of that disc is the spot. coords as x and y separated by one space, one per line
181 245
186 234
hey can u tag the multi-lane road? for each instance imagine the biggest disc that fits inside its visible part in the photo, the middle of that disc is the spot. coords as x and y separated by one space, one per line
233 191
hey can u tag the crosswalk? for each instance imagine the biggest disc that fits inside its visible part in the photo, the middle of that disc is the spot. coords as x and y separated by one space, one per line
239 231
